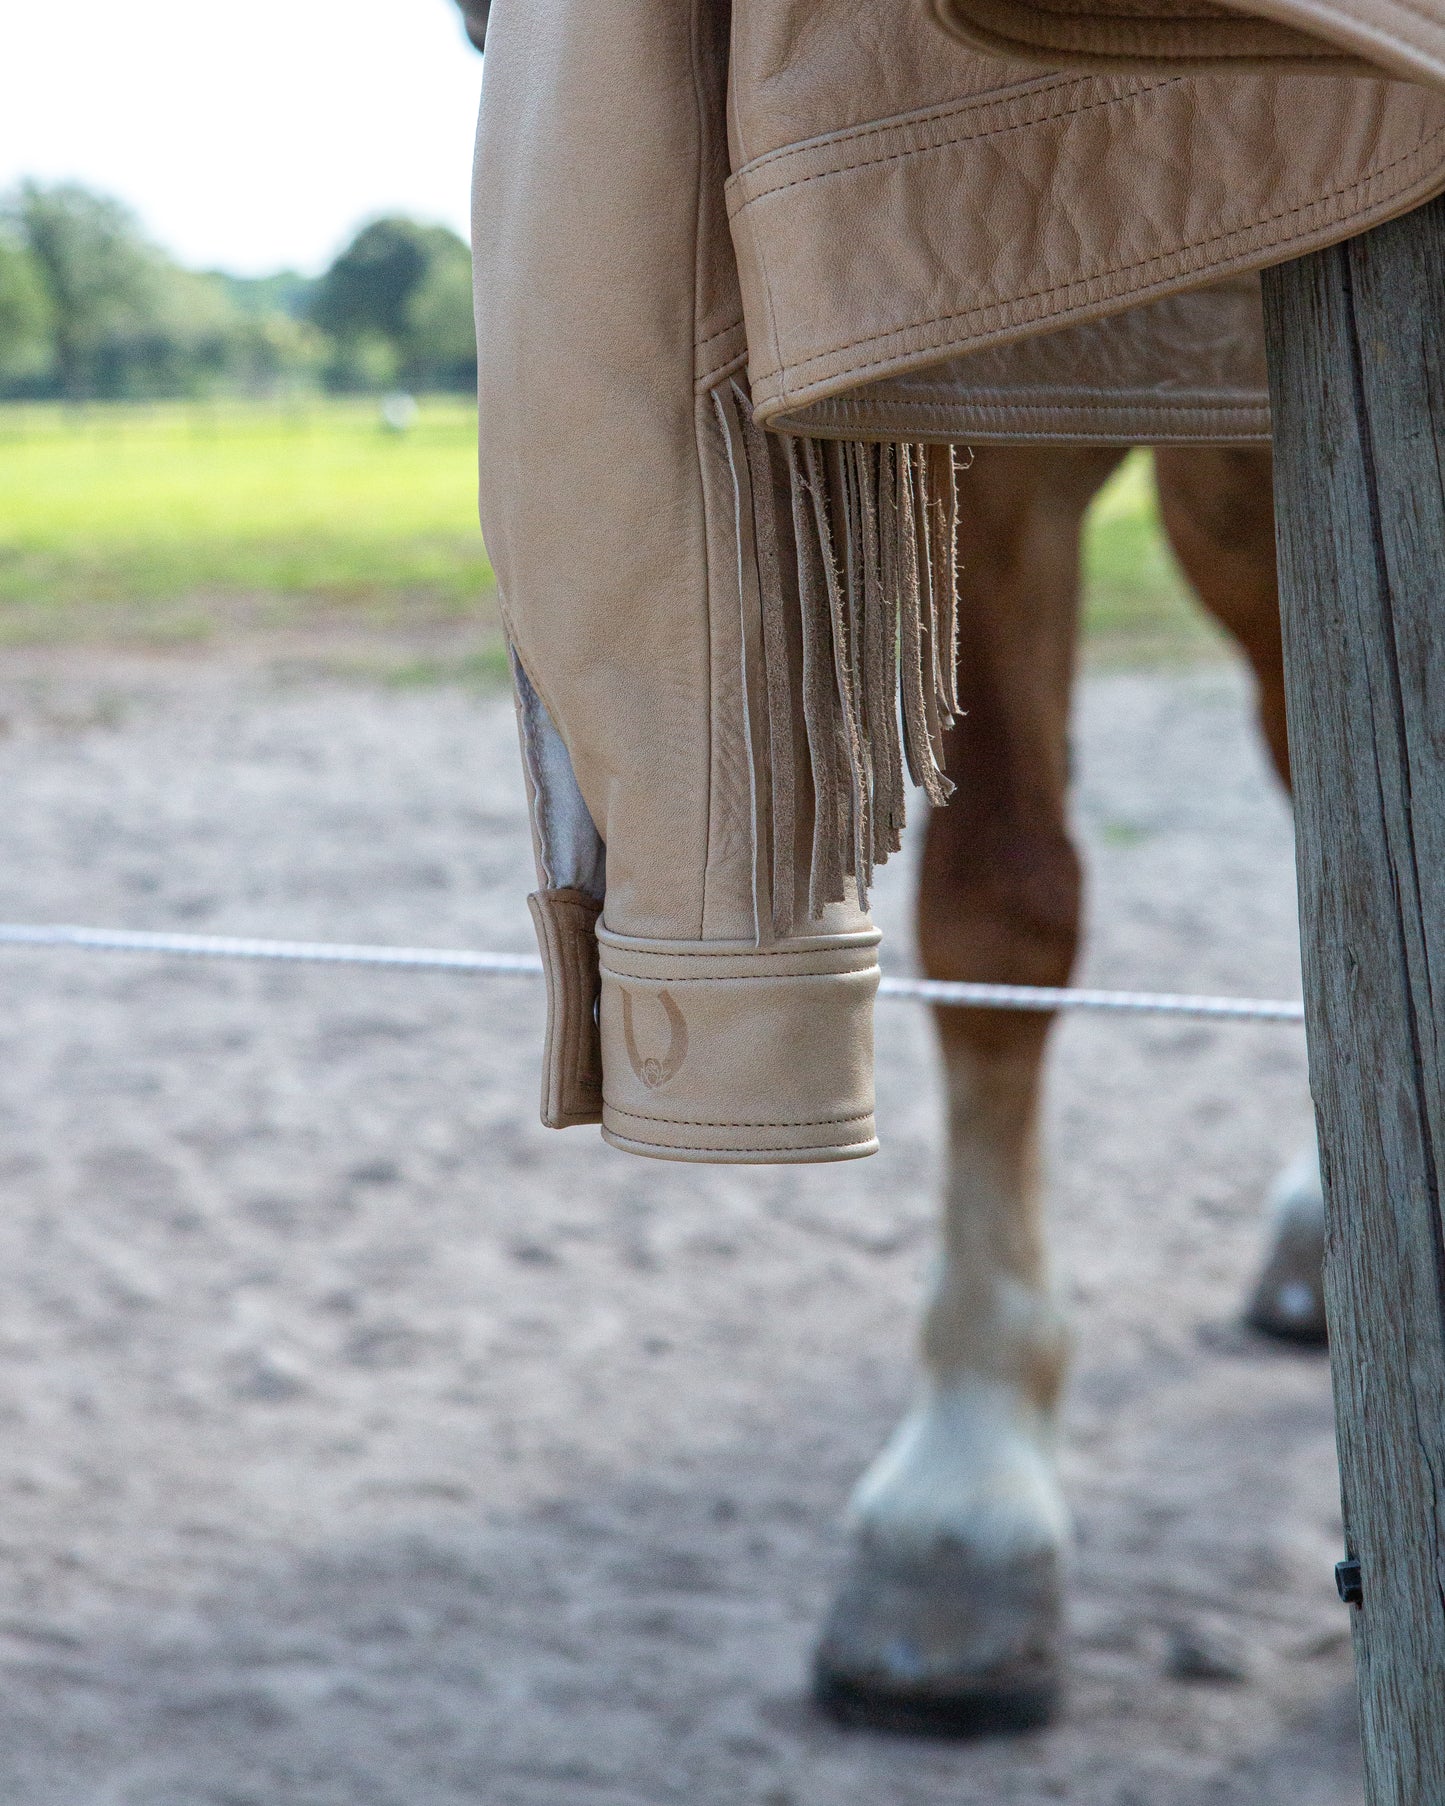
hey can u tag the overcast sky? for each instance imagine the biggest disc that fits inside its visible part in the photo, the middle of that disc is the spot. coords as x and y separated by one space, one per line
249 136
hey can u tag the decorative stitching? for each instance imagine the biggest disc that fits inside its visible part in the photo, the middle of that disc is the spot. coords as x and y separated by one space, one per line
702 121
721 333
738 181
751 953
898 122
710 381
737 978
785 1147
686 1122
863 410
791 395
917 389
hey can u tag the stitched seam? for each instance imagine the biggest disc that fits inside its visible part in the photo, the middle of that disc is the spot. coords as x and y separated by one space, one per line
759 953
700 149
739 978
721 333
1076 110
711 380
777 343
860 952
902 122
1123 269
1091 399
927 393
688 1122
1259 31
782 1147
1129 411
1205 15
748 953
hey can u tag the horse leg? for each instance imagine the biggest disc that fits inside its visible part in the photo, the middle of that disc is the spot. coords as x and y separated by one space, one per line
1219 514
948 1618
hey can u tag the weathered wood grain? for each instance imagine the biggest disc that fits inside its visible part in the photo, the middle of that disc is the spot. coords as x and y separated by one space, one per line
1357 374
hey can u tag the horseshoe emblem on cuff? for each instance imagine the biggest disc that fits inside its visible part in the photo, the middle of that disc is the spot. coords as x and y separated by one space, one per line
652 1071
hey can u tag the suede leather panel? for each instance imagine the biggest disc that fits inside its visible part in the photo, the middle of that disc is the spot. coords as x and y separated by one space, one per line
729 901
591 498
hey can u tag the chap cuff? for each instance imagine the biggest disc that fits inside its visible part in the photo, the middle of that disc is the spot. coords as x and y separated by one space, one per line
722 1051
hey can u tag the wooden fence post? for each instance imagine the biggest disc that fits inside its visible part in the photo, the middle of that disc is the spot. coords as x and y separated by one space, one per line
1356 339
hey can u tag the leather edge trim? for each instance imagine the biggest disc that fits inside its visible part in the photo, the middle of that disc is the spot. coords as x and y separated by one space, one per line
1378 195
565 921
784 1156
1038 423
1133 42
1395 40
703 967
610 939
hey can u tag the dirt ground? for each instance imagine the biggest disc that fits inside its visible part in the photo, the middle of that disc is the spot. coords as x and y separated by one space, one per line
363 1442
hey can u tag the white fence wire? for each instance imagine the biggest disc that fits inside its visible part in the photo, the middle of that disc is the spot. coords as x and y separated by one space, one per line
957 993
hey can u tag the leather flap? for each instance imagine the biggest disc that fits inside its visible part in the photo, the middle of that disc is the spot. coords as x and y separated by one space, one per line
1401 38
1184 370
566 923
1179 35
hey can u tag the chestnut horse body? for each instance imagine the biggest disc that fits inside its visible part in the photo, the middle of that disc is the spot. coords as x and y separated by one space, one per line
949 1617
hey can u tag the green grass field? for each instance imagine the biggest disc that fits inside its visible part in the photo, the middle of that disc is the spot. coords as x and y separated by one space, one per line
174 521
179 523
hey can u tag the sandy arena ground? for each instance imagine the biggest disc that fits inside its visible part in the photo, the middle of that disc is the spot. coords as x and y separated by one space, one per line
364 1442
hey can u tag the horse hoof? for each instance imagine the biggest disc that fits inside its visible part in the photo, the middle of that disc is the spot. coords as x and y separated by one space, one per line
1288 1300
1002 1712
945 1645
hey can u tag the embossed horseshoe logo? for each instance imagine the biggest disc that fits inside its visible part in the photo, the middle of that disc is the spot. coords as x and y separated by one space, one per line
654 1072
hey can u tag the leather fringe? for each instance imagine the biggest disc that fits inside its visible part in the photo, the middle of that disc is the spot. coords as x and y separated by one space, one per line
850 550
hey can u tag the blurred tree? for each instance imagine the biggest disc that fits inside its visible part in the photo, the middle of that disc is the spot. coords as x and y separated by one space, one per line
369 287
189 340
99 275
274 351
26 340
400 293
274 345
115 317
439 347
89 307
286 292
